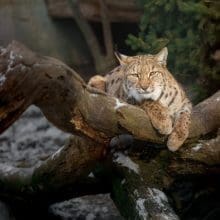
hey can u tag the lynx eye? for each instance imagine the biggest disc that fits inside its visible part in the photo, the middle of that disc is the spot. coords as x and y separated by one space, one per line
134 75
154 73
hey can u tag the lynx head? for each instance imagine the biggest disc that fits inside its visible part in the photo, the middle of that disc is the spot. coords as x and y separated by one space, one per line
144 75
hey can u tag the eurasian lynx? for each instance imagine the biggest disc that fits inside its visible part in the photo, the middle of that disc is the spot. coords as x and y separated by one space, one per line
144 80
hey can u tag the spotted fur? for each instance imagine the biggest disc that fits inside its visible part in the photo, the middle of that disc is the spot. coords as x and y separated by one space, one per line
145 81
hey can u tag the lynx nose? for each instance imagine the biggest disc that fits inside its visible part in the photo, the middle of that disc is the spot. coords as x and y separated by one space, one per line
144 85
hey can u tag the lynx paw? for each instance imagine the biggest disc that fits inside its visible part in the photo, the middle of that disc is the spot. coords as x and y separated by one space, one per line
159 117
180 131
97 82
176 140
164 128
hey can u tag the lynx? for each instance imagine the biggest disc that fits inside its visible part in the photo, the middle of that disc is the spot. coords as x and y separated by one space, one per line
145 81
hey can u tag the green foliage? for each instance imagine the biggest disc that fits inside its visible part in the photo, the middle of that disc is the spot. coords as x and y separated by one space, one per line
191 31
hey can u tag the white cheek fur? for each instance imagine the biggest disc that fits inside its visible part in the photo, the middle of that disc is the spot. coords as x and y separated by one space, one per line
139 97
156 93
133 93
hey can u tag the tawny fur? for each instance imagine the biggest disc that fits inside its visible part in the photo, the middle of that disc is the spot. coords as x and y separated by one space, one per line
145 81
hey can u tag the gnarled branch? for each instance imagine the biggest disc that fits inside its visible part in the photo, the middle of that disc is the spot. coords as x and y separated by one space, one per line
64 98
28 78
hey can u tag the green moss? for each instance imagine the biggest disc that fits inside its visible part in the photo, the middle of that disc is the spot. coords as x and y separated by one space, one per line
125 193
123 202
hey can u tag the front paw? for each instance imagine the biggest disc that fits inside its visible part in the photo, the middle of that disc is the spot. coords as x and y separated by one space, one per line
176 140
97 82
164 128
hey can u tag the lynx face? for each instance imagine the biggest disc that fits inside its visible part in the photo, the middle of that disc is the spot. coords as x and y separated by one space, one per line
144 81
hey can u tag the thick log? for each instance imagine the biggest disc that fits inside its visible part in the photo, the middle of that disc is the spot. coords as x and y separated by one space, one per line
134 194
66 101
27 78
64 98
62 176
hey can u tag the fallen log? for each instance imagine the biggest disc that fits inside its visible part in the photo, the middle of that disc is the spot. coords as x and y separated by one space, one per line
28 78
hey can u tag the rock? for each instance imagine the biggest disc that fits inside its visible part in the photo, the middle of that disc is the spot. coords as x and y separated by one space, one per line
30 140
93 207
5 212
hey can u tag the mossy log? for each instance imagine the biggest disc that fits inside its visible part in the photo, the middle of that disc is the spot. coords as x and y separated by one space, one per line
94 119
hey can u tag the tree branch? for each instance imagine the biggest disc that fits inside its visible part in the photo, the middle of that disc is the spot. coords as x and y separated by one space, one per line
102 61
63 175
27 78
119 11
86 30
106 27
46 82
135 195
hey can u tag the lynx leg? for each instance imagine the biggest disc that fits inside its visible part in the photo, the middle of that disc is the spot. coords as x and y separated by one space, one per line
180 131
159 117
97 82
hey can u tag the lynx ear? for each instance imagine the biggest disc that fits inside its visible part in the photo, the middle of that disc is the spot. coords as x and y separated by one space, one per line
123 59
161 57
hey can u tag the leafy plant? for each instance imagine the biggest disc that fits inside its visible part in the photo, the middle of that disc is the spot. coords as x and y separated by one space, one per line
191 31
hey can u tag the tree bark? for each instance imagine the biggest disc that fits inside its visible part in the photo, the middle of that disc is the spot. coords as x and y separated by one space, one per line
103 62
28 78
63 175
119 11
106 27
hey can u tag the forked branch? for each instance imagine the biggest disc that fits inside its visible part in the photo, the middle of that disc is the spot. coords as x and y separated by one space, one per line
27 78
